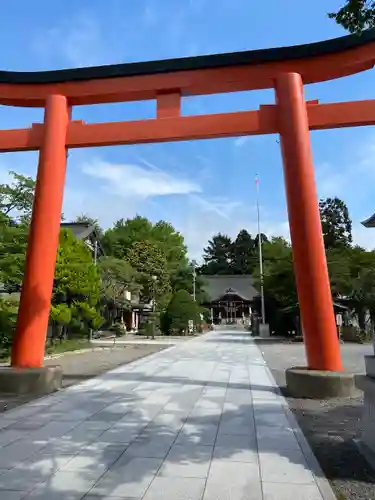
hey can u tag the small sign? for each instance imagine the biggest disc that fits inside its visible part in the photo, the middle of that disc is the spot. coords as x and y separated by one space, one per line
338 319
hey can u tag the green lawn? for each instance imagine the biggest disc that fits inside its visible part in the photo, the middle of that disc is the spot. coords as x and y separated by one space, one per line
58 348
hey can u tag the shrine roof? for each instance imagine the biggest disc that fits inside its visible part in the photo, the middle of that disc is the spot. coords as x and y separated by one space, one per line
218 286
370 222
242 58
82 231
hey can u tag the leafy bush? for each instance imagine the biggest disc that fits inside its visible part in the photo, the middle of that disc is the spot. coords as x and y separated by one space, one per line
181 309
61 314
118 329
8 319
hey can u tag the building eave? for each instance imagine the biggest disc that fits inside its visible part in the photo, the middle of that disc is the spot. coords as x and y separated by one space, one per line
370 222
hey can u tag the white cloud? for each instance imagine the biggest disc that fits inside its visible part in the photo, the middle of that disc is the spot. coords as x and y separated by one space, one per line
223 207
137 182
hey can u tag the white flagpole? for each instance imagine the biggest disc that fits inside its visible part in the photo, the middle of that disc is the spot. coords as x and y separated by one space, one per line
260 256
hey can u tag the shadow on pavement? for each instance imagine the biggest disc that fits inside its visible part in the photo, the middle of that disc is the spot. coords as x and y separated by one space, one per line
125 440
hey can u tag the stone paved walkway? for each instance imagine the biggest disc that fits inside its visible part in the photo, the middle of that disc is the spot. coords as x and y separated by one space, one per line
199 421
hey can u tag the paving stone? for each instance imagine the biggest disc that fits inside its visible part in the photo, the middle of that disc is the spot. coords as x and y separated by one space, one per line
17 452
67 483
151 445
197 434
49 494
237 425
277 491
118 434
276 439
206 410
285 466
88 459
11 435
23 479
12 495
233 481
109 497
131 476
169 488
52 430
187 461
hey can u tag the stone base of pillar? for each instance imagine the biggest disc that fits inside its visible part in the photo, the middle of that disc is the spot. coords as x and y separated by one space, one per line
36 381
317 384
367 385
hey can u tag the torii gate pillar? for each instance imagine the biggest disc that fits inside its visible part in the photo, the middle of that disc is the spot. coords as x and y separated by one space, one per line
314 292
35 303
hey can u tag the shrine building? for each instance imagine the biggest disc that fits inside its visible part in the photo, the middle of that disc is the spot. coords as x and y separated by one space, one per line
231 298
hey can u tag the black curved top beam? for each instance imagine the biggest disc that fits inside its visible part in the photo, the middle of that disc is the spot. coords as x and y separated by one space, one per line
250 57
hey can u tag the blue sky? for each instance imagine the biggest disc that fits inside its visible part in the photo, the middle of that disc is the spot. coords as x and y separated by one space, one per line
202 187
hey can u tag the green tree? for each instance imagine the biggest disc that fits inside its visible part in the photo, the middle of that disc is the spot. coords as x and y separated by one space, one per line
116 277
360 286
13 243
263 239
180 310
16 199
339 270
76 284
150 263
336 223
119 240
76 275
183 280
8 318
278 272
355 15
218 256
243 253
171 242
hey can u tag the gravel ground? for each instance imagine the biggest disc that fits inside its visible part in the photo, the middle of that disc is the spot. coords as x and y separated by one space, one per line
329 426
81 366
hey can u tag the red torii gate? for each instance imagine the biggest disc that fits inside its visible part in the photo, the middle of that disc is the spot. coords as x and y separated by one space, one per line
284 69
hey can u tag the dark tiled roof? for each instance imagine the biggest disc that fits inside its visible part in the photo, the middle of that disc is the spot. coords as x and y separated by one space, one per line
219 285
82 231
370 222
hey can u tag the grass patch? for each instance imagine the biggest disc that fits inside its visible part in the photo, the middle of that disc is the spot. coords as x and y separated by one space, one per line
67 346
58 348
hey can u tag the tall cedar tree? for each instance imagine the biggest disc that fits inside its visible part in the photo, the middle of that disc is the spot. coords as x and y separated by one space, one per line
218 256
336 223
